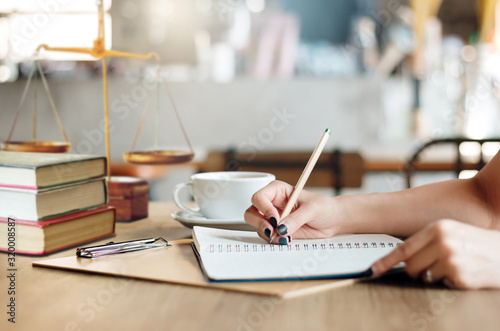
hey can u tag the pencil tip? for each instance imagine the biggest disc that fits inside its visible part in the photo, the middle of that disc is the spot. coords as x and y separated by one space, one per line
328 131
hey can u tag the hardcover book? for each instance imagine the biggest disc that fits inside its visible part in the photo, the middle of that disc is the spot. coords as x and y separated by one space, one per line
33 205
41 170
43 237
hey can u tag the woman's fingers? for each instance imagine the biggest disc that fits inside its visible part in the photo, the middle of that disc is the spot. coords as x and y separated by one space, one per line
290 224
258 221
285 240
435 272
436 253
422 260
264 228
265 210
272 198
404 251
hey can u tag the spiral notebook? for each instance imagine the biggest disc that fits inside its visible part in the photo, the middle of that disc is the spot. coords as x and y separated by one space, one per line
227 255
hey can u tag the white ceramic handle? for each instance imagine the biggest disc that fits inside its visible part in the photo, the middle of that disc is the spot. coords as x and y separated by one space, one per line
177 200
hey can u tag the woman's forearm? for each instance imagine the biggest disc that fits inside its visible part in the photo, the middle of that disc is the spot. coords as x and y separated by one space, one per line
405 212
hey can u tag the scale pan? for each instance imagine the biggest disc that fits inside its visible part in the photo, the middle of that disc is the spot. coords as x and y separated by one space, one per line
158 157
36 146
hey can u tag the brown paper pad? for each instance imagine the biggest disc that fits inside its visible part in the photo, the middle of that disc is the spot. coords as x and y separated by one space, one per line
178 265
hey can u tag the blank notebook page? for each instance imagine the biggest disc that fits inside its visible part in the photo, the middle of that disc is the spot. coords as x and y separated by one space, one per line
242 255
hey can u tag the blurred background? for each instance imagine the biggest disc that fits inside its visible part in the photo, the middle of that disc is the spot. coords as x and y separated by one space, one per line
261 76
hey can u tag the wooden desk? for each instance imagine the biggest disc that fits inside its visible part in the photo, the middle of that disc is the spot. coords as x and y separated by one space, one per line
50 299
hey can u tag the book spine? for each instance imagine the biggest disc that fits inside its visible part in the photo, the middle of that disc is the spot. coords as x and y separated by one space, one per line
214 248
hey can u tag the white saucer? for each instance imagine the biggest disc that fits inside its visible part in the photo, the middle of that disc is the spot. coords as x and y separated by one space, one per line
189 221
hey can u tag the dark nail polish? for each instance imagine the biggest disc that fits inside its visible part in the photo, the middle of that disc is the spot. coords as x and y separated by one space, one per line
283 241
273 221
267 232
282 229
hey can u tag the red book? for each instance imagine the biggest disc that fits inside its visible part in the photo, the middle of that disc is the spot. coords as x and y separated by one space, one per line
43 237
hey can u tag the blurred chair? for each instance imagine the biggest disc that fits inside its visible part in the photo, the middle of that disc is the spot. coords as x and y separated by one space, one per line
462 160
335 169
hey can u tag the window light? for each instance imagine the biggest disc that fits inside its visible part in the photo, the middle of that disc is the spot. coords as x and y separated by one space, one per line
50 6
58 23
27 32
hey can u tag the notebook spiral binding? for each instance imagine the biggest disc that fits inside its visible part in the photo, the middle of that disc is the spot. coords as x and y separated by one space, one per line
213 248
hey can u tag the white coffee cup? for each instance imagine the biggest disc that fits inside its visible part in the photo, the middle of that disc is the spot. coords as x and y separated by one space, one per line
222 195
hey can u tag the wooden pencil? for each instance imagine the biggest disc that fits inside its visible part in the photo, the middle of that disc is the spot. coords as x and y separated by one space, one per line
303 177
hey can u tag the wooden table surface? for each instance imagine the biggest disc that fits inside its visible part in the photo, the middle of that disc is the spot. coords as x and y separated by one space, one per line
48 299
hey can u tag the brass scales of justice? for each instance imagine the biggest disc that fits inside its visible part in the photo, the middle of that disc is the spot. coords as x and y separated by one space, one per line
98 50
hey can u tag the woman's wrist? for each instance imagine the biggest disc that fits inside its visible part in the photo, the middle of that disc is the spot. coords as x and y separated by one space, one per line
355 213
343 216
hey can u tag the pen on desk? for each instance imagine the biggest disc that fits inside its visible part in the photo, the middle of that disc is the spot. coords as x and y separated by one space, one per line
303 178
121 247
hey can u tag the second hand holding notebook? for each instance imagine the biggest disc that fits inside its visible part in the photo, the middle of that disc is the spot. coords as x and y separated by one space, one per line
227 255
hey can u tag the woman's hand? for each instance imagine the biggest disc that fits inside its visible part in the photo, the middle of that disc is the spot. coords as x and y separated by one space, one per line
313 215
461 255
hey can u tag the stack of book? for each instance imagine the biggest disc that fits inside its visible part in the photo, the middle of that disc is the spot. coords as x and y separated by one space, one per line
49 202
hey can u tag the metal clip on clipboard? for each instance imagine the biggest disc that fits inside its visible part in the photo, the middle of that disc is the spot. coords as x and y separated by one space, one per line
121 247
